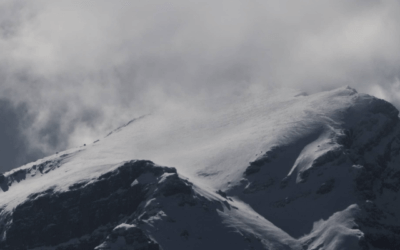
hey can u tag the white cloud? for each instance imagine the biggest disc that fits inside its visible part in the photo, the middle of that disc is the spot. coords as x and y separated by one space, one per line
83 67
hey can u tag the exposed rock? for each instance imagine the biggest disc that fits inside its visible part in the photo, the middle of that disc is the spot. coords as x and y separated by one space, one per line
52 218
128 236
326 187
269 156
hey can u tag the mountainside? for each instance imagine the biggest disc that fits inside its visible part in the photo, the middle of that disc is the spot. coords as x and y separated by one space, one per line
265 170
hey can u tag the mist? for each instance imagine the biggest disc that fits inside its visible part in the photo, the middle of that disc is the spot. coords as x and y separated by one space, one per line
82 68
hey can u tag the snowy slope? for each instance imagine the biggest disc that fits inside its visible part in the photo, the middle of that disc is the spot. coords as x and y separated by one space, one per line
263 170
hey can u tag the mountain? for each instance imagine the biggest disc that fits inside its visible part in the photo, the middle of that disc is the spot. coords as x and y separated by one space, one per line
264 170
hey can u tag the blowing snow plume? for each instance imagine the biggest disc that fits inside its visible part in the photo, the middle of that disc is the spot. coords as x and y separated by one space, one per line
83 68
273 170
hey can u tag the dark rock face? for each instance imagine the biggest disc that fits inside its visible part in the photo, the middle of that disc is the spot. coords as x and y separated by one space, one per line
3 182
379 234
131 236
364 162
377 179
88 211
326 187
139 205
255 166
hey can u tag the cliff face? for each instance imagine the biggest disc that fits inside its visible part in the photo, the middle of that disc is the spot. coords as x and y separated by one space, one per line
139 205
50 218
268 171
351 165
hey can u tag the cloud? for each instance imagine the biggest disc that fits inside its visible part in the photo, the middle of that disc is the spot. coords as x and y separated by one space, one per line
14 150
84 67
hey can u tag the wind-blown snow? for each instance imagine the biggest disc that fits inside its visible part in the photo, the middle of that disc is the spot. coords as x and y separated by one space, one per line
211 146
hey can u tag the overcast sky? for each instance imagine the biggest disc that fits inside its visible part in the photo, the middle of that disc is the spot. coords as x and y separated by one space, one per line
72 70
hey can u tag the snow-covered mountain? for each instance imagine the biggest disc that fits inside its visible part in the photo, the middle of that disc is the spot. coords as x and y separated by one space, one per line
264 170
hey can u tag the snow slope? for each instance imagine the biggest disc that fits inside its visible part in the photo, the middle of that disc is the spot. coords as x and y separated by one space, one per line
266 170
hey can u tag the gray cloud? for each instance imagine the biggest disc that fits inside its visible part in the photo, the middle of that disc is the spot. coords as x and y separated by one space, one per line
84 67
14 150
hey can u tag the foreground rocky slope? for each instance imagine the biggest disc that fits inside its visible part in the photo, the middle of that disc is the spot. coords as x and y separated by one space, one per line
139 205
266 171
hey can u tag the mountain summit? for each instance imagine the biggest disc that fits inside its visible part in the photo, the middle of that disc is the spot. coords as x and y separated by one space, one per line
264 170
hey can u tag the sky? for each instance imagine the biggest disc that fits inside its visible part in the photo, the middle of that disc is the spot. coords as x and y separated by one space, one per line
71 71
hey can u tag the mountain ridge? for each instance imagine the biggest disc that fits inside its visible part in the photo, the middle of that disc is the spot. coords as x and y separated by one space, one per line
273 170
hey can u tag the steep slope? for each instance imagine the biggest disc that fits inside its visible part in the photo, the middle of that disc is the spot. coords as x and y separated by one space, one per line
264 170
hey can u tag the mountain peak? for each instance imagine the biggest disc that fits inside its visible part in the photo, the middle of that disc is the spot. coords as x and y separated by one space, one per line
284 172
